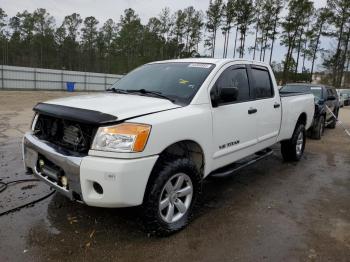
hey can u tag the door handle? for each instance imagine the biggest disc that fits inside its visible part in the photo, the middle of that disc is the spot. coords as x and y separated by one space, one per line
252 111
277 105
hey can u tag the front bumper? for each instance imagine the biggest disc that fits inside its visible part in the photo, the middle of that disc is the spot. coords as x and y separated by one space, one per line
123 181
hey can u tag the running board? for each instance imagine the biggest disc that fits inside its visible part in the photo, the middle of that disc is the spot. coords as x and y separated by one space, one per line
234 167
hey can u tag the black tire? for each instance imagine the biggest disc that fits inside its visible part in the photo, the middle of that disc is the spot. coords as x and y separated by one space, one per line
289 147
163 171
334 121
319 128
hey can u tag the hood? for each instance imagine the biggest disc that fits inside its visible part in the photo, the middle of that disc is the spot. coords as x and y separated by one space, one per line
120 106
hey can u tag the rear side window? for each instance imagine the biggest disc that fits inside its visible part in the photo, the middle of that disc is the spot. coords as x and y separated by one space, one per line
333 92
235 78
262 83
329 92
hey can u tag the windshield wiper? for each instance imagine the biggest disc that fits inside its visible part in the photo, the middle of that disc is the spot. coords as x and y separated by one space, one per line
115 90
155 93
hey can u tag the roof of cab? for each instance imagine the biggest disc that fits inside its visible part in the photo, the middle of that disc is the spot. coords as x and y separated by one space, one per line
216 61
309 85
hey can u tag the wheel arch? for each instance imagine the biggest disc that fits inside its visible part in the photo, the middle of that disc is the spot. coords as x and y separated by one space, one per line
183 148
302 119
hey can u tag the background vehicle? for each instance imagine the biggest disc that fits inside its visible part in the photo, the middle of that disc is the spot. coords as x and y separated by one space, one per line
345 94
324 96
341 100
346 99
160 131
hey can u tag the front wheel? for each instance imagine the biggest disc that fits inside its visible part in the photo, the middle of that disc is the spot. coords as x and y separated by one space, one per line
171 196
293 149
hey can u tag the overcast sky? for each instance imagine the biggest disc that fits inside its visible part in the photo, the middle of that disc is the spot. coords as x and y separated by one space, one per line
104 9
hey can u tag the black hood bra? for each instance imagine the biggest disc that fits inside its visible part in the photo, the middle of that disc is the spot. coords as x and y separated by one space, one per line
85 116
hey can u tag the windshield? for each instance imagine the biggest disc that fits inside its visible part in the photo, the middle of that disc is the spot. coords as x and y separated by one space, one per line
178 81
315 90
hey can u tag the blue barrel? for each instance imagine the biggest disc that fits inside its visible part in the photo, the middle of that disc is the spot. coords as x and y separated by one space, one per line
70 86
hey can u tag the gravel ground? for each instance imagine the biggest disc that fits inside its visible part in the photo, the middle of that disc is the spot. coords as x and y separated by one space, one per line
271 211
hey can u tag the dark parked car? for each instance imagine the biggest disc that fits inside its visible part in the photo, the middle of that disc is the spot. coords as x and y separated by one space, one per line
324 95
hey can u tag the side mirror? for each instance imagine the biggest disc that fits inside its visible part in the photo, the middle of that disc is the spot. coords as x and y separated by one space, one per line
331 98
229 94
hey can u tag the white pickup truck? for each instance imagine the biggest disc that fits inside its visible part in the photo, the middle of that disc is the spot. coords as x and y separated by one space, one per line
160 130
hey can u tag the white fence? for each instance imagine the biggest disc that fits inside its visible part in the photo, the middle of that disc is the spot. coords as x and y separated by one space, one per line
15 77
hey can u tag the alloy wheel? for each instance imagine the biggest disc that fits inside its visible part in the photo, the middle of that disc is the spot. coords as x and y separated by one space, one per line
300 143
175 198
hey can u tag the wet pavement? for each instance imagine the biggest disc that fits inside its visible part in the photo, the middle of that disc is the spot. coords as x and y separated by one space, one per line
271 211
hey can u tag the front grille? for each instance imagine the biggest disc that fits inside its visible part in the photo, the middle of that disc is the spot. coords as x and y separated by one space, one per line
71 135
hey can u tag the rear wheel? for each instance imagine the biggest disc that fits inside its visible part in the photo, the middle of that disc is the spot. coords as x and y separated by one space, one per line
319 128
334 121
171 196
293 149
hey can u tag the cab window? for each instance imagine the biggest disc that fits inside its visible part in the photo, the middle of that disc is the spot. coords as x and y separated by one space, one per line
262 83
233 77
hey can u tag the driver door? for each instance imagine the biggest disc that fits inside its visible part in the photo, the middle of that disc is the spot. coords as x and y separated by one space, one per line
234 123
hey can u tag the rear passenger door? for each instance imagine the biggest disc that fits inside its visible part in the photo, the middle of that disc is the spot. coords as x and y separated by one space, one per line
268 105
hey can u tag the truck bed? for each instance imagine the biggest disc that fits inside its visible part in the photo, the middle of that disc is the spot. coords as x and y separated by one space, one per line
293 105
285 94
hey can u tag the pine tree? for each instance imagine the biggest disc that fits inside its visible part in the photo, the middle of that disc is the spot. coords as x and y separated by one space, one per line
214 20
229 17
244 14
277 8
3 37
340 19
299 12
257 20
89 40
44 37
70 47
317 30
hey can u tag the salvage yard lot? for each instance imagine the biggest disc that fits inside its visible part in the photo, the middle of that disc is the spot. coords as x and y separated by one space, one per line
271 211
